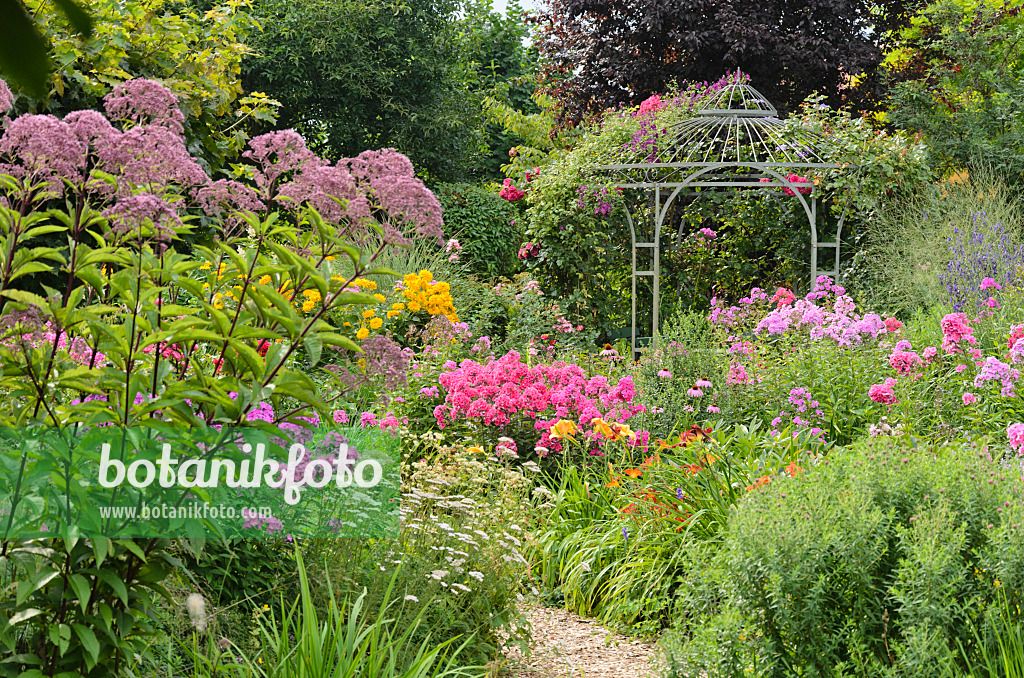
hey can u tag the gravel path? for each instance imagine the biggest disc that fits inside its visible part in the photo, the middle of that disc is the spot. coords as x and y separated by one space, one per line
568 646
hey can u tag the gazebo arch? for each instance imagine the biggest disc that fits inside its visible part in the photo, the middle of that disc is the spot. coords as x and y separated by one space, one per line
736 141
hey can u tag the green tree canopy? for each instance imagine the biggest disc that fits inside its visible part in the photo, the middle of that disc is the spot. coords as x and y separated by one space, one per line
958 73
356 74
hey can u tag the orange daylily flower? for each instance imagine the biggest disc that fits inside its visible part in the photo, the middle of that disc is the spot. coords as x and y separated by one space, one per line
563 428
476 449
602 427
793 469
623 431
694 434
760 482
633 472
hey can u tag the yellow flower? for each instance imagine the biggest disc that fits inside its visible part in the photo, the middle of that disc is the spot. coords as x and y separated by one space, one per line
328 258
426 276
308 306
623 431
563 428
363 333
205 267
476 449
380 297
602 427
265 280
312 295
414 306
369 313
398 307
348 324
392 314
364 283
376 323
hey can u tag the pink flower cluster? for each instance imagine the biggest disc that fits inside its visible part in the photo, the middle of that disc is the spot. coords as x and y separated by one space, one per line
833 320
530 249
1015 434
956 328
994 369
883 393
806 415
783 297
77 348
905 363
650 105
510 192
151 152
793 179
500 391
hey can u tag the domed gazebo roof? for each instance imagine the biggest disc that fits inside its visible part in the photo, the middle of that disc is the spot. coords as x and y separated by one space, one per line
739 125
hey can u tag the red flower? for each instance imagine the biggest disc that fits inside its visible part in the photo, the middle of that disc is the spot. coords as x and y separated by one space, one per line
263 347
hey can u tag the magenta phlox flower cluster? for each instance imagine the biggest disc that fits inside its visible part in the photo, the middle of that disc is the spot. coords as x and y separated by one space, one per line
650 105
1015 434
994 369
497 392
783 297
76 348
905 362
884 393
806 414
737 375
956 328
1016 355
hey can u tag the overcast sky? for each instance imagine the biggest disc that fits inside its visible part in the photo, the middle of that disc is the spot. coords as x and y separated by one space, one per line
525 4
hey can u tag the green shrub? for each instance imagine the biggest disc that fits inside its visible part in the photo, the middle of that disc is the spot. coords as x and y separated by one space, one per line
486 227
879 562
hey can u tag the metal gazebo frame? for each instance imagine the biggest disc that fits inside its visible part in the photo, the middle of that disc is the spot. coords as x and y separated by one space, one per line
735 141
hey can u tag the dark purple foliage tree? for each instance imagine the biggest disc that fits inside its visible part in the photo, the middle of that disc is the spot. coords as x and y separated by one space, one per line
603 53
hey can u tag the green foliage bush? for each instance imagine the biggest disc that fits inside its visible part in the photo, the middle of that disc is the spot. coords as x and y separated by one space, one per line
882 561
956 79
486 227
